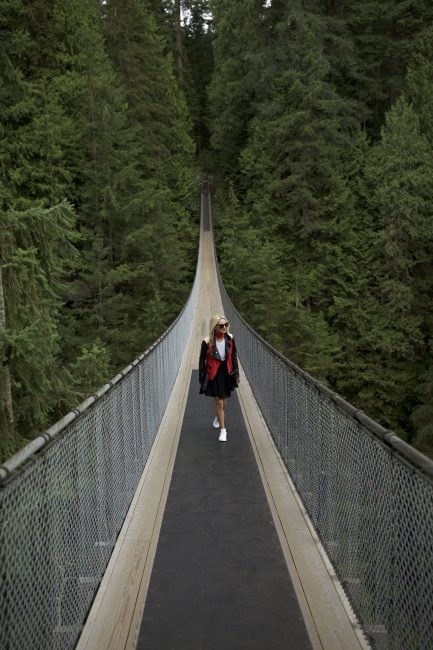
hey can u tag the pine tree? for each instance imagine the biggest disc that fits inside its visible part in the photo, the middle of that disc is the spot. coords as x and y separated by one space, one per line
384 33
422 416
35 247
198 70
104 176
92 364
294 173
34 125
419 89
62 123
259 287
231 88
399 232
34 175
151 277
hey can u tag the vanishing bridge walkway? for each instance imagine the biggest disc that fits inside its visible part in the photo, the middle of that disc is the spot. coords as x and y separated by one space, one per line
128 525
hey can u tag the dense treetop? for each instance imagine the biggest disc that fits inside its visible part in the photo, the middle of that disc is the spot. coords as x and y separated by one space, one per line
321 151
97 187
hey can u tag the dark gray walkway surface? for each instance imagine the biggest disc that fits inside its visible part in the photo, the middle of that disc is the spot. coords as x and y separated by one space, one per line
219 581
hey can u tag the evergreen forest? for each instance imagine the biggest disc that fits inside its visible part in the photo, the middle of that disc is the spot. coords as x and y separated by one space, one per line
313 118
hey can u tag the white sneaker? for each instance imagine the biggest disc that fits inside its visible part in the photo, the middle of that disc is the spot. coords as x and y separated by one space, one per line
216 424
223 435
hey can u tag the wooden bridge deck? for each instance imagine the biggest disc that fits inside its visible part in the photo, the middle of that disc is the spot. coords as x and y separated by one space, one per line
219 578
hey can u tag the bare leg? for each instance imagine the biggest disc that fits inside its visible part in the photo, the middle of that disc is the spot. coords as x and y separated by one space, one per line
219 410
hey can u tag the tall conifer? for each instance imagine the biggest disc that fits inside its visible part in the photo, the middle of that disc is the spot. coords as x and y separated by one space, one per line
153 274
198 70
293 167
35 247
231 90
384 33
399 177
419 89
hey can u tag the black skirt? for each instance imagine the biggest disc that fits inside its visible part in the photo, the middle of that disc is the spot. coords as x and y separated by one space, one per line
219 386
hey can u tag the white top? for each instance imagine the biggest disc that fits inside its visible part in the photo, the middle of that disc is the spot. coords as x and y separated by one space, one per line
221 347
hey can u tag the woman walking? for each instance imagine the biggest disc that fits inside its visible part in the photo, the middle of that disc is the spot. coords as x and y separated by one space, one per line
218 368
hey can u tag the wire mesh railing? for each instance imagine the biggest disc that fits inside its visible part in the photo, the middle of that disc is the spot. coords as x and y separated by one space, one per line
62 508
369 495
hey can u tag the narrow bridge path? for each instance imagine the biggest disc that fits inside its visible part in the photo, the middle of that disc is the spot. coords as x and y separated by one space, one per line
219 579
216 552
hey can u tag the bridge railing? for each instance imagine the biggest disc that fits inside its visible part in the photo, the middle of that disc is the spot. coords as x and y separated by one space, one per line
369 495
64 497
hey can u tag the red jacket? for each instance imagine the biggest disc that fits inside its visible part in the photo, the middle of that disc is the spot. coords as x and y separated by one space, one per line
210 361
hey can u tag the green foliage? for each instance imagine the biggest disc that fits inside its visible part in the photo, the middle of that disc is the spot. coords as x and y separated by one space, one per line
422 416
35 247
384 34
293 173
342 224
152 267
231 87
91 368
91 111
325 237
198 71
253 266
418 87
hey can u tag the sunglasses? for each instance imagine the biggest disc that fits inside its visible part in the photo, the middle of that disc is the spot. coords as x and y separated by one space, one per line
221 325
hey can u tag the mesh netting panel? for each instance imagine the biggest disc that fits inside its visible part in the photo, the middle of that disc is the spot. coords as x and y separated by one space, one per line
62 513
372 510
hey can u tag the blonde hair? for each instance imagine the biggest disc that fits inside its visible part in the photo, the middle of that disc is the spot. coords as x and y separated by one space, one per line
213 323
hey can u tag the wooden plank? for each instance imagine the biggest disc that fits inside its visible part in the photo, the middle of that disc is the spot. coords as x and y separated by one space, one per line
330 620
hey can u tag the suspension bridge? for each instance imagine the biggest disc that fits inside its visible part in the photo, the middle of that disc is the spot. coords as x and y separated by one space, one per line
128 525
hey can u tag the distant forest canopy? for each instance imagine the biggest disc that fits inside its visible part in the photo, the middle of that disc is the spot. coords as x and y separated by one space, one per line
98 189
321 134
313 118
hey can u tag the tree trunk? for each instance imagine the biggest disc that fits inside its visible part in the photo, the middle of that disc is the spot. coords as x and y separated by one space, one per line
6 409
179 58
